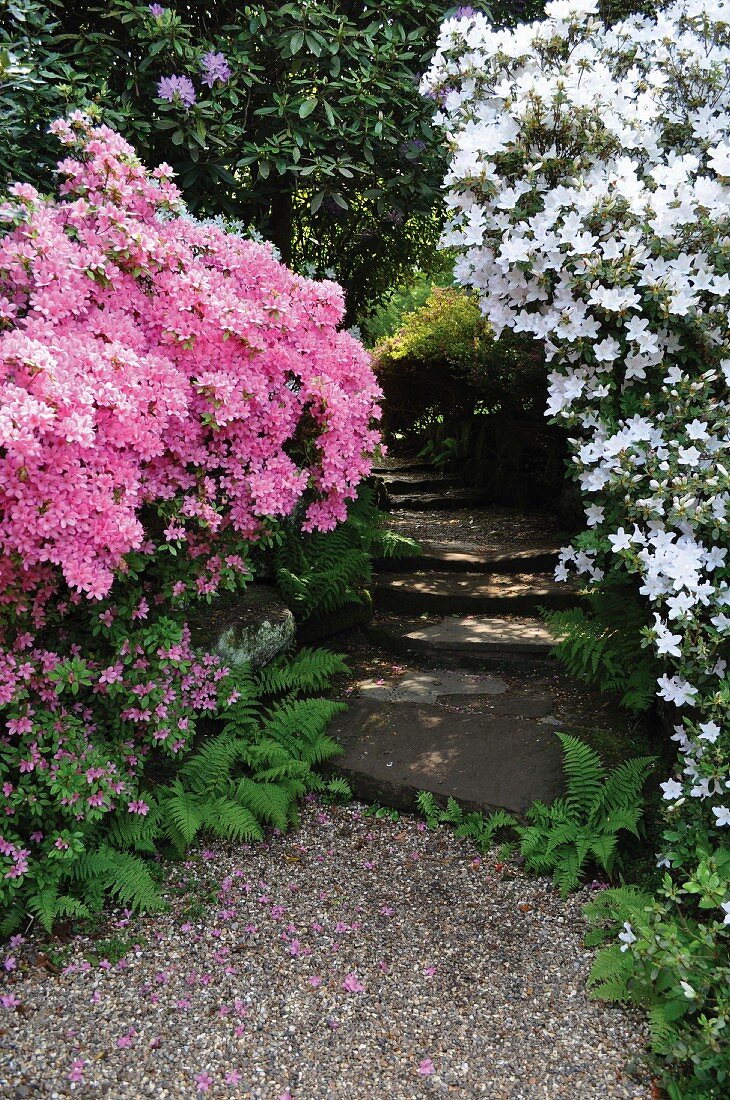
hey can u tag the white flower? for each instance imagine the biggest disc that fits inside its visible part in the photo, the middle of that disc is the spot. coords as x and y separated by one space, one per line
726 910
607 350
710 732
676 690
620 541
666 642
627 937
688 991
696 429
722 813
719 159
671 790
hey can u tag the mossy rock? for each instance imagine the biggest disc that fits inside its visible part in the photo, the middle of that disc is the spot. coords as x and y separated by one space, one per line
250 627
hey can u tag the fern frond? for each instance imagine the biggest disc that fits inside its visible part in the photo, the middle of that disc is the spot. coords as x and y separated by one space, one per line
584 774
622 788
182 809
311 670
267 801
231 821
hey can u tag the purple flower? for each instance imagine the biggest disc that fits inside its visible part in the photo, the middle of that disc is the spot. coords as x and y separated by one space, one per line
215 67
464 13
157 10
178 88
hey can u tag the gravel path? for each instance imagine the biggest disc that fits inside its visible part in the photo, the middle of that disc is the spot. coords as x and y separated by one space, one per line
356 958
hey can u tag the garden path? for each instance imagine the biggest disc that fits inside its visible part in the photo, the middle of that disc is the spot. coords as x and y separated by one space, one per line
457 691
363 957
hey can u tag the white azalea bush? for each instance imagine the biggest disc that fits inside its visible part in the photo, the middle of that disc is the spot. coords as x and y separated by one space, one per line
589 196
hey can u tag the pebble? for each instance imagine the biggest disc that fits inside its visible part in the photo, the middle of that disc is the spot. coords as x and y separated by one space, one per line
479 971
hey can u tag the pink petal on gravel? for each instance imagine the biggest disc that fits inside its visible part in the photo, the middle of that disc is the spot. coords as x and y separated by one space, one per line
352 984
426 1067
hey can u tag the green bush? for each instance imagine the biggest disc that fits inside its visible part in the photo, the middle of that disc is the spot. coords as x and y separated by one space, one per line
605 645
322 572
443 363
245 774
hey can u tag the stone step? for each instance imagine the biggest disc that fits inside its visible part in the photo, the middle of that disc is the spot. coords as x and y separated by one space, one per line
404 467
420 483
436 502
445 593
443 558
471 636
392 750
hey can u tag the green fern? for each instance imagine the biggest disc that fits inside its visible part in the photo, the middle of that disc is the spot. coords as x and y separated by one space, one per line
604 645
123 875
584 825
467 825
321 572
311 670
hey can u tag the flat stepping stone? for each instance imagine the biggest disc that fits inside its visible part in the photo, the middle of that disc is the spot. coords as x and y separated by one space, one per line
419 483
480 634
405 467
480 642
447 593
441 557
427 686
437 502
394 750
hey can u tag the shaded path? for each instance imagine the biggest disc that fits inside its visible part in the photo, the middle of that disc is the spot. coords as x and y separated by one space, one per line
457 691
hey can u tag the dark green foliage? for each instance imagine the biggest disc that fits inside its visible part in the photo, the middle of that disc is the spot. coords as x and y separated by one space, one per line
321 572
467 825
675 967
443 362
245 777
603 645
320 139
583 826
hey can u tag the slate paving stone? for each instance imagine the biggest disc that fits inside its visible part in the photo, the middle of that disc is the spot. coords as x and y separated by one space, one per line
425 686
447 557
429 502
520 635
452 593
394 750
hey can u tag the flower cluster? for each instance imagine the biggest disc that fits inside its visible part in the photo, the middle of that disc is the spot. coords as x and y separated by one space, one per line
167 391
215 67
589 197
177 89
147 358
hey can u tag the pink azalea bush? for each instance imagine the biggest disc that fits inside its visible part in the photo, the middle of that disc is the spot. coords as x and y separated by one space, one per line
168 390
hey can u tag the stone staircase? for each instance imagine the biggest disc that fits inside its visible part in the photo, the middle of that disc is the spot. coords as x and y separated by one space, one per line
471 707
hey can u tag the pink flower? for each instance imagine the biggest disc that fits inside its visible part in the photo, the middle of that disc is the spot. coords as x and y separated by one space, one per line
426 1067
203 1081
352 984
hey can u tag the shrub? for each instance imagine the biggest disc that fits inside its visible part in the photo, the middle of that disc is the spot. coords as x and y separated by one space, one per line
608 645
444 362
322 572
168 391
589 183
